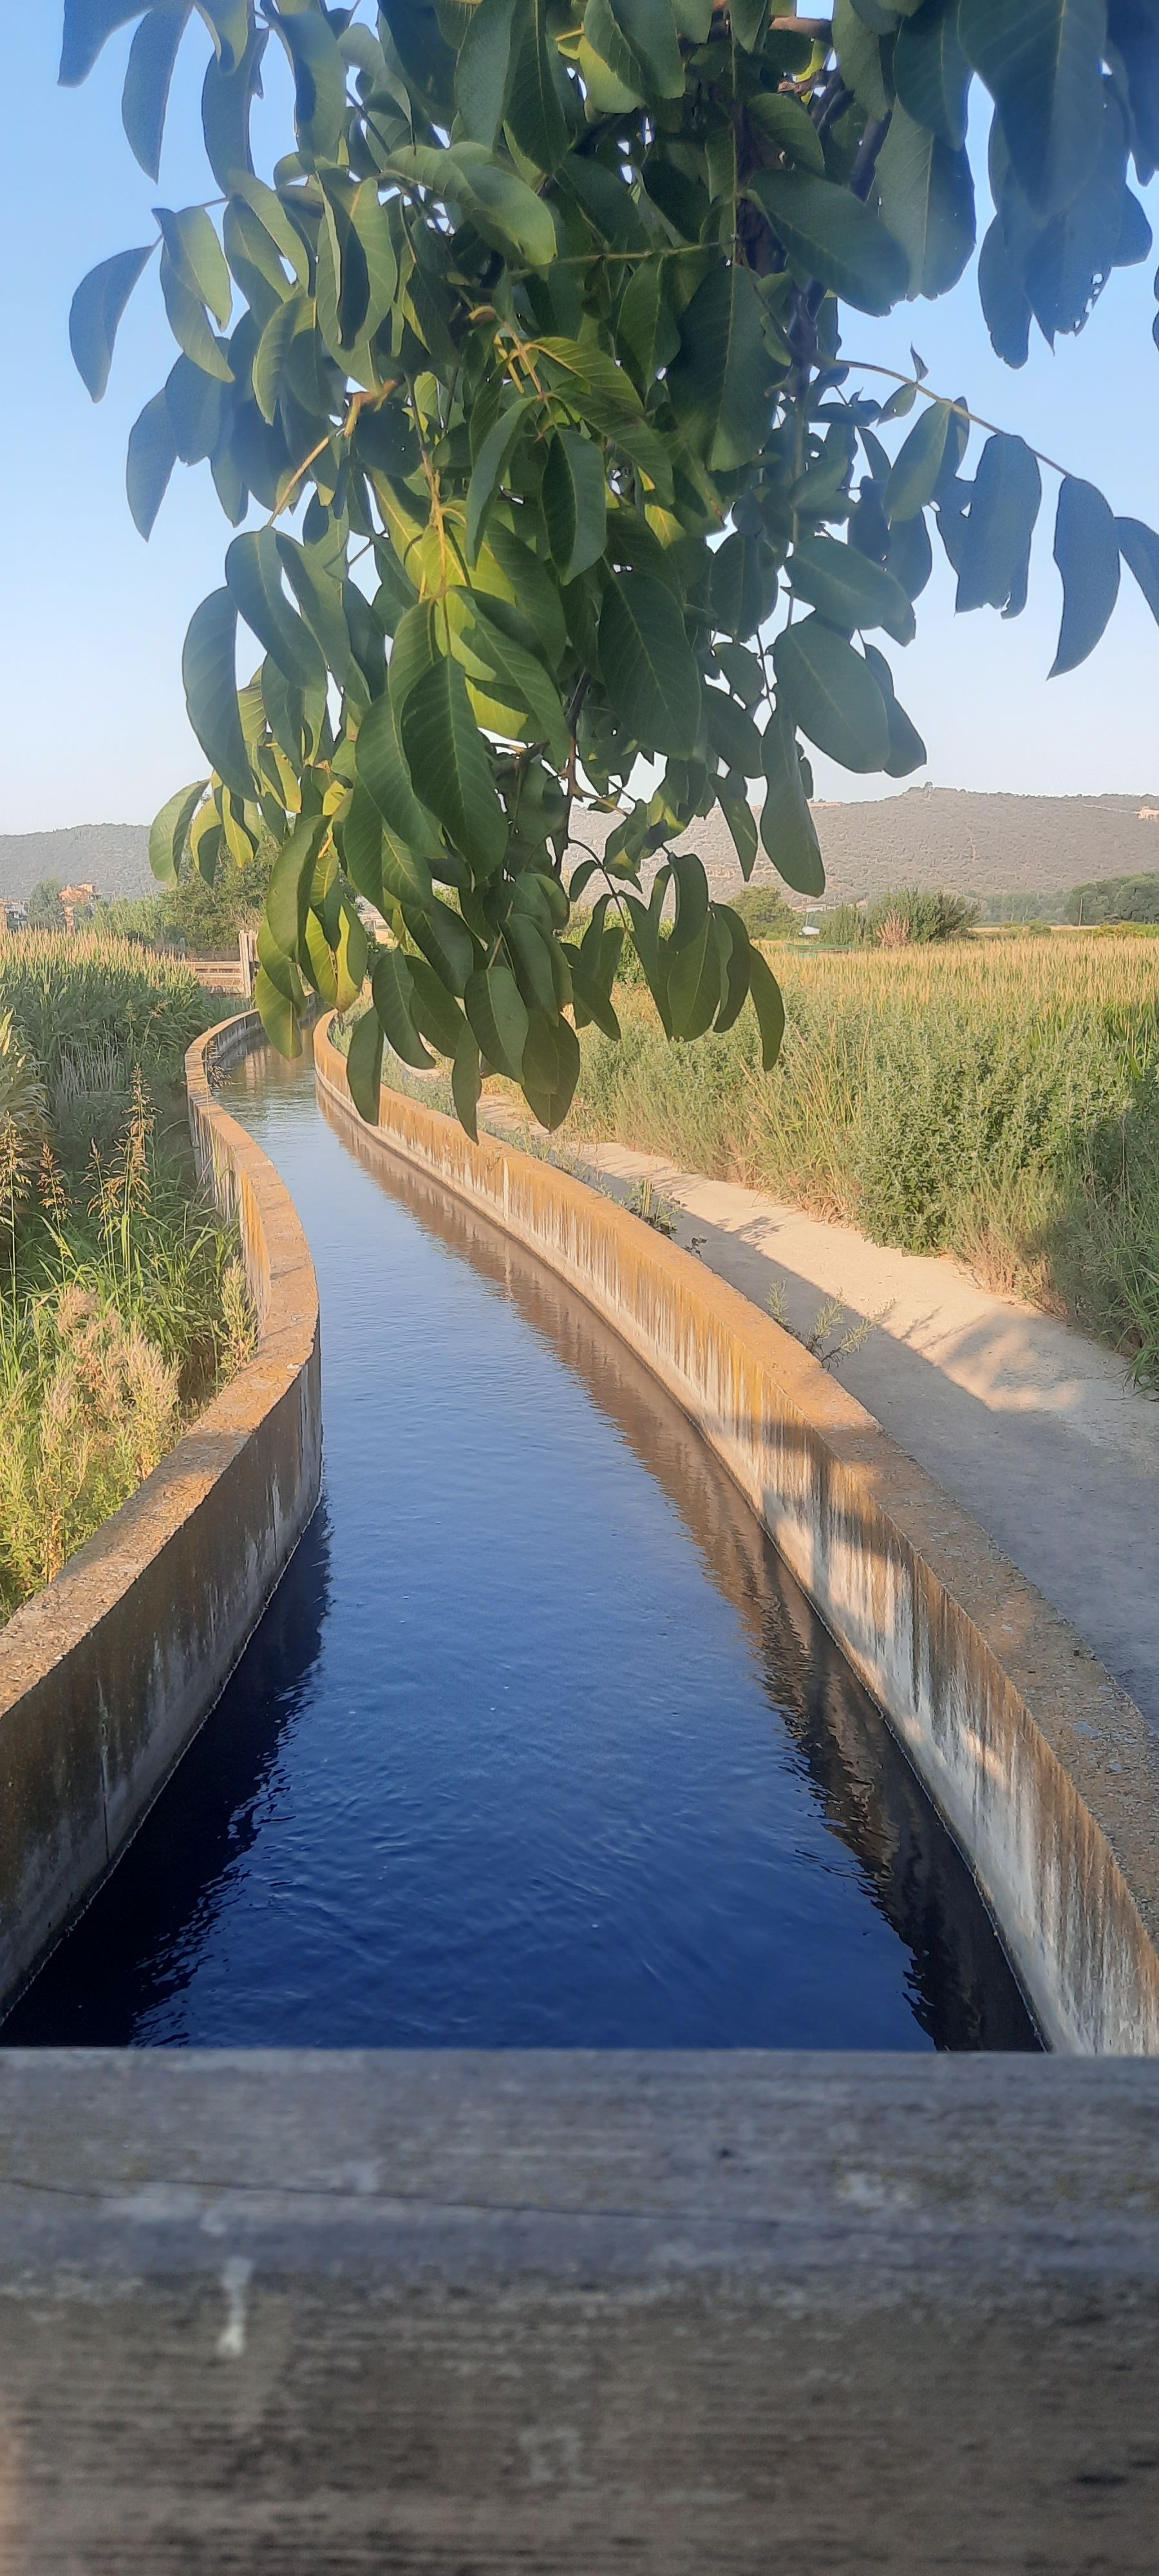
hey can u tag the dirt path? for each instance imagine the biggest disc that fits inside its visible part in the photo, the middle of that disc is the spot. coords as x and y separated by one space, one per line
1027 1423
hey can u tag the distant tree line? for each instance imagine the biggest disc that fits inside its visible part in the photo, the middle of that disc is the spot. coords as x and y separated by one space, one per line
1115 899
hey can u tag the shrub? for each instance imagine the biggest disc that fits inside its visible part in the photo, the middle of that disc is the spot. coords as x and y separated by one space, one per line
765 913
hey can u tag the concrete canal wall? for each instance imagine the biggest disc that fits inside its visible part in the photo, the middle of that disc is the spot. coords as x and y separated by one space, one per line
107 1673
1044 1771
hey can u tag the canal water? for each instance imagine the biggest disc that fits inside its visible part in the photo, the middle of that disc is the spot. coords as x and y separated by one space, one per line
538 1744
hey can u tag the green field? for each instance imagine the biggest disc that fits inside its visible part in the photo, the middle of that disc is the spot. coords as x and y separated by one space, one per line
996 1099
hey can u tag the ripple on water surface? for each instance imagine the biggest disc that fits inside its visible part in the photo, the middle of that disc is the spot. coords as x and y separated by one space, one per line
538 1744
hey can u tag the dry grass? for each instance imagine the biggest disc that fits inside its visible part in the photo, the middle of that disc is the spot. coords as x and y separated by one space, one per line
998 1100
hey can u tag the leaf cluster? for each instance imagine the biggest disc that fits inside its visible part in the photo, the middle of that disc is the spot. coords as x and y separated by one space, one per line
527 356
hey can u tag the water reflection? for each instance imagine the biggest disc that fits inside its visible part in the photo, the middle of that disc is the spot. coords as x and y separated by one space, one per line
539 1744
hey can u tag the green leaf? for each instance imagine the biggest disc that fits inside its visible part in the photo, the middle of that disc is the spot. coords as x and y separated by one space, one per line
862 66
732 734
832 694
320 600
448 762
1003 297
383 771
491 465
170 830
87 23
319 81
466 1084
830 236
743 581
1042 62
1139 548
189 326
926 195
997 534
505 670
721 381
364 1067
360 840
508 213
446 941
737 952
847 588
749 23
210 677
648 665
551 1068
789 128
914 473
907 751
278 1016
534 107
227 99
271 214
788 832
931 73
574 496
229 22
435 1015
150 462
1086 550
769 1007
197 258
271 353
495 1009
696 983
96 311
649 45
145 96
282 972
483 71
253 572
742 824
391 986
291 883
645 325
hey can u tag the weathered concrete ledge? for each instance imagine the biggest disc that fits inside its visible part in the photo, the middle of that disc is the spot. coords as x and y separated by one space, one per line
562 2313
1044 1771
107 1673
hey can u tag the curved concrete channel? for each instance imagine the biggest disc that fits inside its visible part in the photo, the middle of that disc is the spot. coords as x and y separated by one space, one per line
556 2308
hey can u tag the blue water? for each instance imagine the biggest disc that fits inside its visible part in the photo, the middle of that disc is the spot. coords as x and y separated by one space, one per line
538 1744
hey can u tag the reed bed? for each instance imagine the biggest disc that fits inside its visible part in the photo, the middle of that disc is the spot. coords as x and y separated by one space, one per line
995 1100
91 992
123 1301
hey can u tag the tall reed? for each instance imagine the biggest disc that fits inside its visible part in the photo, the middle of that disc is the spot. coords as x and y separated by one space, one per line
996 1100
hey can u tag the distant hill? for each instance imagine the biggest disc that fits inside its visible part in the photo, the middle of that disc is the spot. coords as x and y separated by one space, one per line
948 836
940 836
114 857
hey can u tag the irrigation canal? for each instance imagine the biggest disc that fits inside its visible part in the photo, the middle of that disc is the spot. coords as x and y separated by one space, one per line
538 1744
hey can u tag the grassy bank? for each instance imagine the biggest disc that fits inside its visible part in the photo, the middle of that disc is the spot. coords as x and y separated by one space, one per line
122 1298
998 1100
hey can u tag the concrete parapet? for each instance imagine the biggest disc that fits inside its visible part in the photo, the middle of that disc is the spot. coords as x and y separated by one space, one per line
106 1673
1044 1771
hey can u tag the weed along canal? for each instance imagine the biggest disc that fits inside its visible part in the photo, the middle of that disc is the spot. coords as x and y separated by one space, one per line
538 1745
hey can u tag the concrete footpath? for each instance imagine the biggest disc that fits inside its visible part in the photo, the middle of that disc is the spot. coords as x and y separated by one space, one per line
1031 1426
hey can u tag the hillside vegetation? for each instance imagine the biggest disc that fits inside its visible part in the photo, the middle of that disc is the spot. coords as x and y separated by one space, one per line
994 1099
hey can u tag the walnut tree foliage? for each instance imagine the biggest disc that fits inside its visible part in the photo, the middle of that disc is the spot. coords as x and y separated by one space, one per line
523 376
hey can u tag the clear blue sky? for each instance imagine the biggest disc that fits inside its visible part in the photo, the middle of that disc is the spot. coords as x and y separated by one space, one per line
91 638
